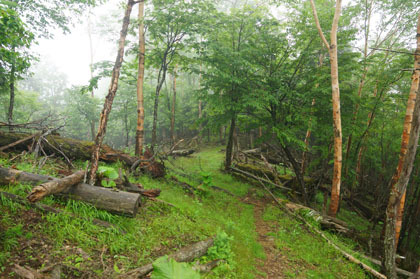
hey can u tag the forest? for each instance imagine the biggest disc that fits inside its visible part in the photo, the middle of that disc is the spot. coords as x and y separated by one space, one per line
216 139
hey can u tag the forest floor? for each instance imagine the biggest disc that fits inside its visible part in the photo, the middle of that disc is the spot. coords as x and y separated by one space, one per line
254 236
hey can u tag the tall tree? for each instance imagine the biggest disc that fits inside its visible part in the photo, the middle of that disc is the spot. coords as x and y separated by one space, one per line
140 81
173 107
15 39
39 16
401 176
173 26
332 49
111 93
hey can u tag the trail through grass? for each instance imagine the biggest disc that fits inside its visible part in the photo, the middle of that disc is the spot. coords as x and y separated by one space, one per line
160 229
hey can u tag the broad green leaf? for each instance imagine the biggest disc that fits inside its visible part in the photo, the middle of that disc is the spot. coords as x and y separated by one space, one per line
167 268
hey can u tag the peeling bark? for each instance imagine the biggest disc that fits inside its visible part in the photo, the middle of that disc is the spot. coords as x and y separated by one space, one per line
401 176
332 49
140 81
111 94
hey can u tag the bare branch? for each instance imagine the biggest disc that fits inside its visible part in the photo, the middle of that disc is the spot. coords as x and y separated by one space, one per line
318 26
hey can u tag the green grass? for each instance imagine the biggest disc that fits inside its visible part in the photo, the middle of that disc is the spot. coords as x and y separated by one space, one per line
159 229
311 256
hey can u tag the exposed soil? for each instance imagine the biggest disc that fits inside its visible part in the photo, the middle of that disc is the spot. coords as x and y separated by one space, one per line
275 264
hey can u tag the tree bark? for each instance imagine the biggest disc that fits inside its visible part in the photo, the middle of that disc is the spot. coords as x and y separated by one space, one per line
118 202
161 80
111 94
415 80
12 96
307 137
200 116
55 186
229 147
173 108
298 173
332 49
402 174
140 81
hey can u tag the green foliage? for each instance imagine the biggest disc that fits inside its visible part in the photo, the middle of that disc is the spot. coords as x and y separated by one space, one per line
221 248
207 179
109 173
168 268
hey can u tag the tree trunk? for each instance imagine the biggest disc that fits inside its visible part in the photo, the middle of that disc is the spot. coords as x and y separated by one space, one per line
402 174
173 109
12 97
415 79
200 116
55 186
118 202
307 137
111 94
140 80
332 48
229 147
297 171
161 80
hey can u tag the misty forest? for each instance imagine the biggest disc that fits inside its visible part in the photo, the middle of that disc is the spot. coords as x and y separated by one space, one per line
178 139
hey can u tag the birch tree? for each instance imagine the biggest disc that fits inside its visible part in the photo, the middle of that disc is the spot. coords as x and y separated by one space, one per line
140 81
332 49
402 174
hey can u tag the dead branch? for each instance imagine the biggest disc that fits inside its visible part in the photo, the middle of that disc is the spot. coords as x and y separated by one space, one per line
55 186
18 142
261 179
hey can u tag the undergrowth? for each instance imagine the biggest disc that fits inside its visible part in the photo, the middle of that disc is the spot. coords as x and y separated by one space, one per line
160 229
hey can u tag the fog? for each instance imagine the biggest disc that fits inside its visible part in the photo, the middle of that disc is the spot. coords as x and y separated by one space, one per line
70 53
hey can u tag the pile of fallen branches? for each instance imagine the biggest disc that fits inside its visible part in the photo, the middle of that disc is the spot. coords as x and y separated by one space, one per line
47 143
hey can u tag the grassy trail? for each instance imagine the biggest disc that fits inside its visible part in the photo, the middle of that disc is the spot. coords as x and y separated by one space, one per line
256 239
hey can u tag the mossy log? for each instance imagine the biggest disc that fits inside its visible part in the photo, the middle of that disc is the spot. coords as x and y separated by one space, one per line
182 152
261 172
114 201
72 148
264 172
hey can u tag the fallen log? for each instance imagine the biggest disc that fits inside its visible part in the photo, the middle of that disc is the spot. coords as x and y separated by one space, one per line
74 149
112 200
186 254
205 268
327 223
18 142
346 255
124 184
183 152
260 179
55 186
50 209
187 187
399 270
